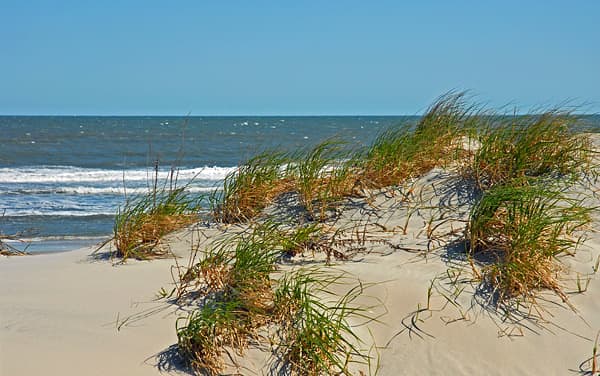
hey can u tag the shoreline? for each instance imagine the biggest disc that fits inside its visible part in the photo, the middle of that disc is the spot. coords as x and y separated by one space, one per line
53 246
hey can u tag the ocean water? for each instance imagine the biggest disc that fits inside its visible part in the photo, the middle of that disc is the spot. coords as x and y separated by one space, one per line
62 178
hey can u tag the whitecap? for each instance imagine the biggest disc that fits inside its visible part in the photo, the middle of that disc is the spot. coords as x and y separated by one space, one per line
85 190
55 174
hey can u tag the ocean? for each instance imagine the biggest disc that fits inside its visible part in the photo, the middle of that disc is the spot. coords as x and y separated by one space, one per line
62 178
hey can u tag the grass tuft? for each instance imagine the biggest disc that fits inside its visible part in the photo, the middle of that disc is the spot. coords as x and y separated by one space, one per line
314 336
250 188
402 152
238 275
526 217
520 230
323 177
208 331
530 146
143 221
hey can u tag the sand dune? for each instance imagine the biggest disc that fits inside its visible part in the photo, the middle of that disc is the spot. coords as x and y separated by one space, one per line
73 314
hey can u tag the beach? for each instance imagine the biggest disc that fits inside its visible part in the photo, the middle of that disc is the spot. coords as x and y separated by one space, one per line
300 189
74 313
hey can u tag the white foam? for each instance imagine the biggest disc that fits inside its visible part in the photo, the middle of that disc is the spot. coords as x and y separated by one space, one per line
51 174
83 190
58 213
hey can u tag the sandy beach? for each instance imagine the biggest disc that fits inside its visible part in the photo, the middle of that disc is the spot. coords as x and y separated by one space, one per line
76 314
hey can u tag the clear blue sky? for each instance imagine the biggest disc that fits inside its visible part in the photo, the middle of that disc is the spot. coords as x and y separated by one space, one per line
293 57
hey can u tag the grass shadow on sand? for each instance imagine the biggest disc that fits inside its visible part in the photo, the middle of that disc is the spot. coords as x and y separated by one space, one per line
170 361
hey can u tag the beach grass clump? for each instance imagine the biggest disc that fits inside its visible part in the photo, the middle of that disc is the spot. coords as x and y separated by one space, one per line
525 169
144 220
250 188
530 146
404 151
314 335
250 282
323 176
300 239
519 231
208 331
241 300
209 275
248 257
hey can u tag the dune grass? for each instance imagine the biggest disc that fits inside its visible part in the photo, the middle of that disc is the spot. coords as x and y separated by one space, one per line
323 177
314 336
237 272
523 219
301 239
520 230
250 188
401 152
527 216
144 220
208 331
529 146
329 172
239 298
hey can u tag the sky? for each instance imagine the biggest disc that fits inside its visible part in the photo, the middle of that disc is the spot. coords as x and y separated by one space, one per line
293 57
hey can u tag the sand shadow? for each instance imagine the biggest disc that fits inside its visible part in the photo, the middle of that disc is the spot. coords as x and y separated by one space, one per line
170 361
513 316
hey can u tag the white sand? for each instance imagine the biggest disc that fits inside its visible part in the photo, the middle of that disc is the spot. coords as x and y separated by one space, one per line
58 313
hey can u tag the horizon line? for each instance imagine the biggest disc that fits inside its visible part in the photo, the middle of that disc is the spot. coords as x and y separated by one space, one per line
210 115
263 115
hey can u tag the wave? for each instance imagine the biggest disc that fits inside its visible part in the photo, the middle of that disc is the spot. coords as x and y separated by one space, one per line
55 174
7 214
83 190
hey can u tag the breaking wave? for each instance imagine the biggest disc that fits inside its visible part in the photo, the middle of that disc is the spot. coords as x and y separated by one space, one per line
69 174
